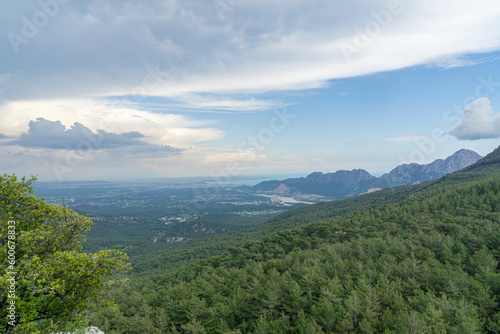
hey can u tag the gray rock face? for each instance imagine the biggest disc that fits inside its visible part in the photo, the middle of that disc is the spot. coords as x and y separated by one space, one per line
340 184
414 173
343 183
343 177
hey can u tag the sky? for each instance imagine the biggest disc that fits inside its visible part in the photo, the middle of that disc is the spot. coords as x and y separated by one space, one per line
108 89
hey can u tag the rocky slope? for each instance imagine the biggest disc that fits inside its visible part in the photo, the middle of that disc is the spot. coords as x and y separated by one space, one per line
414 173
343 183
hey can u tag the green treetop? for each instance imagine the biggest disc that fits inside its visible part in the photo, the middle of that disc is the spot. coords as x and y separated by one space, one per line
41 258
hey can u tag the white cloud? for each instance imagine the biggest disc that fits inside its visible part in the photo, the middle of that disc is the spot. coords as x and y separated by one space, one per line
157 128
259 45
132 139
211 103
198 102
44 133
479 122
406 139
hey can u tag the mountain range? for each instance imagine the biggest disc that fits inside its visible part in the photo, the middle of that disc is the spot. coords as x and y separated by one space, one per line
343 183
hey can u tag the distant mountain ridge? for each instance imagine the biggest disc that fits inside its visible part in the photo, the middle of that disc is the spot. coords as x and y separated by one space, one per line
343 184
414 173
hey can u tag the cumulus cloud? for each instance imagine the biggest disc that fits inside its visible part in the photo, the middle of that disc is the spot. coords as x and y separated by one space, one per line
157 127
48 134
479 122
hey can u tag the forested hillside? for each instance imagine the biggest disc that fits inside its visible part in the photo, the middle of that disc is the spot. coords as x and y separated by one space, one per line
421 259
174 258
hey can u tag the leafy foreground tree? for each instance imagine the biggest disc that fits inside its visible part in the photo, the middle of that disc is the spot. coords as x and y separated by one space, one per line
46 283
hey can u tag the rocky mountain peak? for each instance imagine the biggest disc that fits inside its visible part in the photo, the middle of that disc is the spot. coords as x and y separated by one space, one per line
345 183
416 173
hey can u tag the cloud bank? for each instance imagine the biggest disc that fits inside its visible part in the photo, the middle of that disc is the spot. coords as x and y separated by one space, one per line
43 133
97 114
479 122
172 48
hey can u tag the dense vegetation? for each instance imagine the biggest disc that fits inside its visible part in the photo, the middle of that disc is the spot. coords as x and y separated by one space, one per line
47 283
145 219
144 239
175 257
413 259
421 259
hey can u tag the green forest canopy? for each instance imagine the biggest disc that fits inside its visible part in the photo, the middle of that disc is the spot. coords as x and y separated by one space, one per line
425 261
416 259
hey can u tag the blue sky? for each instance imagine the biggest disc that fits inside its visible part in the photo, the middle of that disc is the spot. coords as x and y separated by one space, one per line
126 89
